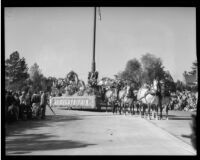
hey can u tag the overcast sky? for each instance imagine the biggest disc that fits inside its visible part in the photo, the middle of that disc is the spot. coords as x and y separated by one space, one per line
61 39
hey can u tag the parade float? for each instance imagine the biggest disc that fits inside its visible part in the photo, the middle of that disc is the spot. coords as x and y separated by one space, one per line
72 93
75 94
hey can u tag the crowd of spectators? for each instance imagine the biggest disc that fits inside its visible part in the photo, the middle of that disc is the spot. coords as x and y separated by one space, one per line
24 105
185 100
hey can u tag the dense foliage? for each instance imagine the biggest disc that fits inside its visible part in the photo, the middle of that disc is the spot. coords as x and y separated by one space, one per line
16 72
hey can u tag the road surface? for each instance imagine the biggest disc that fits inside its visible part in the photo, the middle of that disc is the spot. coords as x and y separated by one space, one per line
72 132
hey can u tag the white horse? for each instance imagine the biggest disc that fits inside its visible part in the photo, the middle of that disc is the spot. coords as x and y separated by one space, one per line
126 101
147 95
122 94
111 98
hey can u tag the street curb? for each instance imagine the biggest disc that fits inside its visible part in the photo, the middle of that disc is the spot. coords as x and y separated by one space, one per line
183 145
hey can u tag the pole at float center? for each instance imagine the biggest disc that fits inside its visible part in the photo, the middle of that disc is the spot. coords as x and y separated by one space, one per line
94 40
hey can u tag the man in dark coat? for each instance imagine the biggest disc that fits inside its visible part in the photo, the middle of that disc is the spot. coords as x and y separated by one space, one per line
9 99
35 100
28 105
43 104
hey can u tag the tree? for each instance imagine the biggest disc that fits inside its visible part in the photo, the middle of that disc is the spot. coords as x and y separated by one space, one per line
194 68
152 68
49 83
132 72
16 71
180 86
169 82
36 77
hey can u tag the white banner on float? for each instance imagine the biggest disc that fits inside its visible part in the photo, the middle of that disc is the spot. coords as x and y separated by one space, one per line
79 102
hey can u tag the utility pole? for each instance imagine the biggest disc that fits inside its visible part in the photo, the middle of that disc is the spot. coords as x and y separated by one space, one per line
93 75
94 41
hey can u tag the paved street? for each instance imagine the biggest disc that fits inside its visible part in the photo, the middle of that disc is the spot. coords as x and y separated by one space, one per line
72 132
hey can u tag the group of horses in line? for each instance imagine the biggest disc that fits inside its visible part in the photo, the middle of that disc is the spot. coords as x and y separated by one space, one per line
125 100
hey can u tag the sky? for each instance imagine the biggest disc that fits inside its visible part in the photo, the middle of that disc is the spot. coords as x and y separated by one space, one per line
60 39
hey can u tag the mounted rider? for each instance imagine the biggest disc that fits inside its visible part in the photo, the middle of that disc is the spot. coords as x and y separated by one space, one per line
129 89
92 78
72 78
72 83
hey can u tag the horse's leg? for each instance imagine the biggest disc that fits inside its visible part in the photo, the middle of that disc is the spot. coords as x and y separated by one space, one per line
106 106
124 108
153 111
149 109
114 108
119 107
137 106
144 110
131 109
140 109
156 108
161 111
133 106
167 107
127 108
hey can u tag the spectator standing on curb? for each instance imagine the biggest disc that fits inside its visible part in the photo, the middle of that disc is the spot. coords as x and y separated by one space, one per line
16 105
35 100
28 105
43 104
9 104
22 107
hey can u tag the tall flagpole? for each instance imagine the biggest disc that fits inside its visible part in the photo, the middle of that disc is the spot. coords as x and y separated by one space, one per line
94 40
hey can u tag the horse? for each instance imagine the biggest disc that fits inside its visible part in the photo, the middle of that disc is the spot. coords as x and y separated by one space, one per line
148 96
111 98
127 100
121 96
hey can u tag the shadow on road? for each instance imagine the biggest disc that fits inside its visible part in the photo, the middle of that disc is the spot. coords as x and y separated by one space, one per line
39 142
19 142
21 126
175 117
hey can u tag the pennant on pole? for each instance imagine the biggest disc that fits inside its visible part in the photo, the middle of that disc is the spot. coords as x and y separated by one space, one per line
99 13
